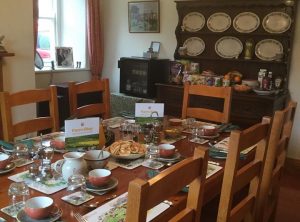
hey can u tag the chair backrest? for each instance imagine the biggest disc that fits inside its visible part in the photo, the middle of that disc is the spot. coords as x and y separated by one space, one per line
275 158
9 101
144 195
237 177
99 108
221 116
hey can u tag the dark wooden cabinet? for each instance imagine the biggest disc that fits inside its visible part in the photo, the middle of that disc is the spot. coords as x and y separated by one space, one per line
138 75
246 109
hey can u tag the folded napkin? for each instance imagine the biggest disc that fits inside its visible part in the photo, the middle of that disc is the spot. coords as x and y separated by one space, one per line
214 152
227 127
10 146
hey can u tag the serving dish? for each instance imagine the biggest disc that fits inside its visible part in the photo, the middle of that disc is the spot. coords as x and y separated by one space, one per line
268 49
264 92
194 45
277 22
228 47
193 22
218 22
246 22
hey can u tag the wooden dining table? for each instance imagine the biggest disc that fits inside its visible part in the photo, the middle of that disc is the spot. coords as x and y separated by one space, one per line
124 176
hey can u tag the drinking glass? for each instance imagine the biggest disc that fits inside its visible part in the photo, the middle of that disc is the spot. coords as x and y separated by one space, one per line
20 153
75 182
126 131
148 133
18 193
190 122
136 132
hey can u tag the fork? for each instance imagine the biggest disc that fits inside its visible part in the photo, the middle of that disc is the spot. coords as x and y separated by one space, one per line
79 217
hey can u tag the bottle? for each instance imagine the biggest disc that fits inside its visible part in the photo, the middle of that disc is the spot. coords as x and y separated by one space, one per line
266 83
270 76
261 75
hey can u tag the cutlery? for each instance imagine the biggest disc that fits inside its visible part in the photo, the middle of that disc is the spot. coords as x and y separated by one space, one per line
79 217
96 204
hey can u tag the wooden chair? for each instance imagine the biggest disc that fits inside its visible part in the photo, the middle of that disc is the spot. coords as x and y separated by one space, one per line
236 178
9 101
144 195
100 108
205 113
275 158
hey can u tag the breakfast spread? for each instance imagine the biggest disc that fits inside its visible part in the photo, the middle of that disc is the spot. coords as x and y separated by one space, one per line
126 148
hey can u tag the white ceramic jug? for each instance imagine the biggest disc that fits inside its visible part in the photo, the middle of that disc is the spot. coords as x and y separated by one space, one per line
73 163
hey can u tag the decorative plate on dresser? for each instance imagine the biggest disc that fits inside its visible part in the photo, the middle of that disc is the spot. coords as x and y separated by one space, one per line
193 22
229 47
246 22
277 22
194 46
218 22
268 49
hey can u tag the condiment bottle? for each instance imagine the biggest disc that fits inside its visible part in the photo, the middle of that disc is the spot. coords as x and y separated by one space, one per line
261 75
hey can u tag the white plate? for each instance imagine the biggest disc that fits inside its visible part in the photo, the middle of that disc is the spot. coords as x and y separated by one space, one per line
218 22
268 49
229 47
263 92
12 166
246 22
194 45
277 22
193 22
129 157
173 158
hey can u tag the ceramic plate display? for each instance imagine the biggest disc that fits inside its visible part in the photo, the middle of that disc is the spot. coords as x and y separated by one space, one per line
246 22
8 168
229 47
194 45
193 22
113 182
218 22
22 216
268 49
276 22
263 92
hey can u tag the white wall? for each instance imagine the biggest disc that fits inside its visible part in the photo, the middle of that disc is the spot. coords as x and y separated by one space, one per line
16 24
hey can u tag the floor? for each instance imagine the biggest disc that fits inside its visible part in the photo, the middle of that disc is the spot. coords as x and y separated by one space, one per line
289 197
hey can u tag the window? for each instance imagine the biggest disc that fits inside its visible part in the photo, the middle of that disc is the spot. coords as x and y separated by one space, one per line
62 23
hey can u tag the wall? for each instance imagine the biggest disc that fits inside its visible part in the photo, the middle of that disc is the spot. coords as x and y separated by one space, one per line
16 25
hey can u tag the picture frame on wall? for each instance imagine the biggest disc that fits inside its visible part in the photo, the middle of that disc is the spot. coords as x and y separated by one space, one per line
143 16
64 57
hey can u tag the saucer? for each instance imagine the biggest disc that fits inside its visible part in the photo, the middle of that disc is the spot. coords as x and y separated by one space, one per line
211 137
112 183
172 158
12 166
22 216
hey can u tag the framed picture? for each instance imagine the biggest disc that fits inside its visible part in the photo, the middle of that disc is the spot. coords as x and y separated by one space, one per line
64 57
155 46
143 16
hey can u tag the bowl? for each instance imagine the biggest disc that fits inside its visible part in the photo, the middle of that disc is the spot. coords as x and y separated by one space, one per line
250 82
99 177
39 207
175 122
173 132
209 130
166 150
96 161
4 160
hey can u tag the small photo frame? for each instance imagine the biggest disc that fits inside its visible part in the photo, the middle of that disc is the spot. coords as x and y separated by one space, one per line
155 46
143 16
64 57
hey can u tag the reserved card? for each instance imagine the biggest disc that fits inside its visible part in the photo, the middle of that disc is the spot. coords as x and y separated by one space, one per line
82 132
146 112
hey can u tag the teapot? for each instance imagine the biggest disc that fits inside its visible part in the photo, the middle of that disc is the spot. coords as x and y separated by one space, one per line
73 163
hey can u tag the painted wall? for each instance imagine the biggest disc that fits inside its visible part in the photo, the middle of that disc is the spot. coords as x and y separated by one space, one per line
16 25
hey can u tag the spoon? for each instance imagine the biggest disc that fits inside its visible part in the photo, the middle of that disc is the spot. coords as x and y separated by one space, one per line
96 204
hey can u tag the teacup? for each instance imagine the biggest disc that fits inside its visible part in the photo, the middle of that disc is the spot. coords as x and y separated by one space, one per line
166 150
208 130
99 177
39 207
4 160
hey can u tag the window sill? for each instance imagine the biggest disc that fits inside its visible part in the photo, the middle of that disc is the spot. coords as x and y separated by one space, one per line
60 70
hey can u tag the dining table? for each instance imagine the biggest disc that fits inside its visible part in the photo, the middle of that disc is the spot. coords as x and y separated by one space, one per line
184 146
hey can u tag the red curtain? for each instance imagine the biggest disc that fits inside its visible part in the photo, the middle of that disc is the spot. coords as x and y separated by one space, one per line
35 22
95 39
